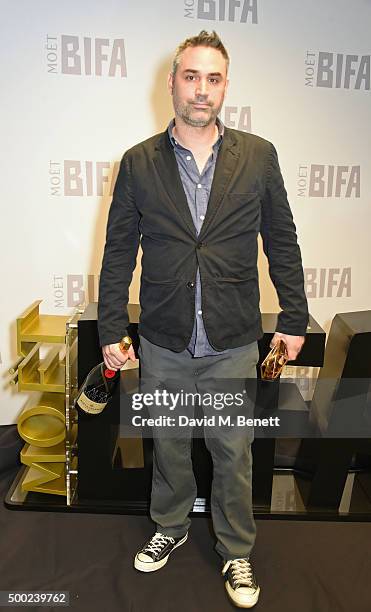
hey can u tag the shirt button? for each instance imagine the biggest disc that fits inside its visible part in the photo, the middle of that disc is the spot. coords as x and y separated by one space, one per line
202 217
199 312
199 186
188 157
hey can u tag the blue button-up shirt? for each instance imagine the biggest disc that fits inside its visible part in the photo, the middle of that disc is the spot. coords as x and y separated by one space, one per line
197 188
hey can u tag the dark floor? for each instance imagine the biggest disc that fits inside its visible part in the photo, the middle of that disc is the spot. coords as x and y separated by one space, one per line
301 566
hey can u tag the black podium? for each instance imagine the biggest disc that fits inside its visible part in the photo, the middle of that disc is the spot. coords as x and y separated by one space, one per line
341 410
328 477
115 473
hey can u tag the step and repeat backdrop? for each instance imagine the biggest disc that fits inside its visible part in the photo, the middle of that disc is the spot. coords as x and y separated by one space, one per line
84 80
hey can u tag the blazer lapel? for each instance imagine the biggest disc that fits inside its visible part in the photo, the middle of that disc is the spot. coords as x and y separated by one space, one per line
167 169
226 164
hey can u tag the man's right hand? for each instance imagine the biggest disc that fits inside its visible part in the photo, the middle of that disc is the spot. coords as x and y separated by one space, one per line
114 358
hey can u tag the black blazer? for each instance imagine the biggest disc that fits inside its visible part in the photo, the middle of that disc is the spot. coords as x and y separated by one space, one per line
149 205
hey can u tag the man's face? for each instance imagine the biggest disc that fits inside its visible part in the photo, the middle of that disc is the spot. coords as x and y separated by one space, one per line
199 85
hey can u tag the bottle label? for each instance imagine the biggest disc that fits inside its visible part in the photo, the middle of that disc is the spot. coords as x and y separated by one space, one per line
89 406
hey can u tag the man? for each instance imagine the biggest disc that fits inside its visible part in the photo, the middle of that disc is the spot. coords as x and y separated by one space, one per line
196 196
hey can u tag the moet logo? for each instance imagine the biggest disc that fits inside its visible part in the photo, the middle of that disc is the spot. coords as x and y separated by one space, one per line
82 178
242 11
85 56
328 181
74 289
337 70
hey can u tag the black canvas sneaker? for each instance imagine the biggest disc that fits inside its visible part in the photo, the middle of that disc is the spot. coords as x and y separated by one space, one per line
156 551
240 583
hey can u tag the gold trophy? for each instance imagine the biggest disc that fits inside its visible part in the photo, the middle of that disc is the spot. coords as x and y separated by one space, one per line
274 362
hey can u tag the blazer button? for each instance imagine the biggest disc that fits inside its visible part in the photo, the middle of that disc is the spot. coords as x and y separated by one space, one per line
201 245
190 285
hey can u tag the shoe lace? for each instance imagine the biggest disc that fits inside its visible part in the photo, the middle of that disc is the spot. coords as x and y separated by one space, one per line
241 572
158 542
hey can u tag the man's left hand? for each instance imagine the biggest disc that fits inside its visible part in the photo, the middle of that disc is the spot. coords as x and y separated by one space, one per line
294 344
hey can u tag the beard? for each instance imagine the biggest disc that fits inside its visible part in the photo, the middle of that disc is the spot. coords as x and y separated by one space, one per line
187 112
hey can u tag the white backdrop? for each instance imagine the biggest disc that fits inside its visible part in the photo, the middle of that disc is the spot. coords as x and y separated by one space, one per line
84 80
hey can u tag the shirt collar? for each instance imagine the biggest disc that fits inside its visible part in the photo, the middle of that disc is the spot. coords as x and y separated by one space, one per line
220 126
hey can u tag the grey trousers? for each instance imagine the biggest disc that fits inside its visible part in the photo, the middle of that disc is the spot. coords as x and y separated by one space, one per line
173 483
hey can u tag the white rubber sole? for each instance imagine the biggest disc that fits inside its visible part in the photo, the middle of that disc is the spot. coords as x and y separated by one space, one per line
143 566
240 600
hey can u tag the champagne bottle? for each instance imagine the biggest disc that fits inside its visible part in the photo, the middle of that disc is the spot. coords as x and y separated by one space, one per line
99 385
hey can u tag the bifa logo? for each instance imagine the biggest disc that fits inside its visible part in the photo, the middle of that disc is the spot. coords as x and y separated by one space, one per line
328 282
337 70
82 178
328 181
242 11
74 289
85 56
238 117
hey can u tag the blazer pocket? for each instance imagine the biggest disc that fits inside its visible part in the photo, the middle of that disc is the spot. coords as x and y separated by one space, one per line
237 297
166 281
228 279
244 197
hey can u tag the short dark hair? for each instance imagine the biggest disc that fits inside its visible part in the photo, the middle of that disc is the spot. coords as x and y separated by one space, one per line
203 39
